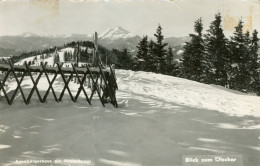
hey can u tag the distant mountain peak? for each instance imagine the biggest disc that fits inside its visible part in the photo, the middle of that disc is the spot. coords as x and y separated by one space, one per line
115 32
28 34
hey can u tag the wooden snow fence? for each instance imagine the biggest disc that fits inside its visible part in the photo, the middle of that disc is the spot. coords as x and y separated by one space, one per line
102 81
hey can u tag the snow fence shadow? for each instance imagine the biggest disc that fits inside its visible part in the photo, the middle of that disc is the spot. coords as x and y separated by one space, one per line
146 131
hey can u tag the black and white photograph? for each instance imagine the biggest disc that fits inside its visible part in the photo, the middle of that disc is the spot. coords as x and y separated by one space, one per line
129 83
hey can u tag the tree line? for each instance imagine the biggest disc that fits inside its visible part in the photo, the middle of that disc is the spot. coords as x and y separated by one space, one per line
84 56
152 56
209 58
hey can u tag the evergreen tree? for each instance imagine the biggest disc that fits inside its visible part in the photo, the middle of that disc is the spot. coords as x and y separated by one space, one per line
159 51
75 54
246 62
83 55
65 56
125 60
169 62
56 58
193 62
216 52
239 54
254 65
142 54
151 63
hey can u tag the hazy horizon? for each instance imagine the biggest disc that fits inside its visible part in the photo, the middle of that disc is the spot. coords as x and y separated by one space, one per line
66 17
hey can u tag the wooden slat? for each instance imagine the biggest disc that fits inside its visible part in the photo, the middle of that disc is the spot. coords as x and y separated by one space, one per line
6 76
65 70
6 96
108 88
34 84
19 82
66 84
95 89
50 84
113 76
81 82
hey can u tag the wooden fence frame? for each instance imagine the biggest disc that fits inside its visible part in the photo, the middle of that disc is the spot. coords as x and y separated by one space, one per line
106 90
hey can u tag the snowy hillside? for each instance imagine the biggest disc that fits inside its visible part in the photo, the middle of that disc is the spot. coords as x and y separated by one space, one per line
4 58
38 59
159 120
177 90
189 93
49 58
180 91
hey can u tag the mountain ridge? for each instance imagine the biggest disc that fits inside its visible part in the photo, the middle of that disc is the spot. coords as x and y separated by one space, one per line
114 37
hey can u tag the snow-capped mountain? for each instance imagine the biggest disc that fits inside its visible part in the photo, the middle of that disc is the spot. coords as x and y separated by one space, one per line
119 38
28 34
116 32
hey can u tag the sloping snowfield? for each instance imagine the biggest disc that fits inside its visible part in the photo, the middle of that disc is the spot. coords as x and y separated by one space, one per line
159 120
189 93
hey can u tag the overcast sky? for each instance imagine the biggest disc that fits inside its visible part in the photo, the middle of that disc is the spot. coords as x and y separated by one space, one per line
139 17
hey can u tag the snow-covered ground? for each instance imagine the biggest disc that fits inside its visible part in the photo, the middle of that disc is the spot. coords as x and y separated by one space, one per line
159 119
190 93
4 58
50 57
